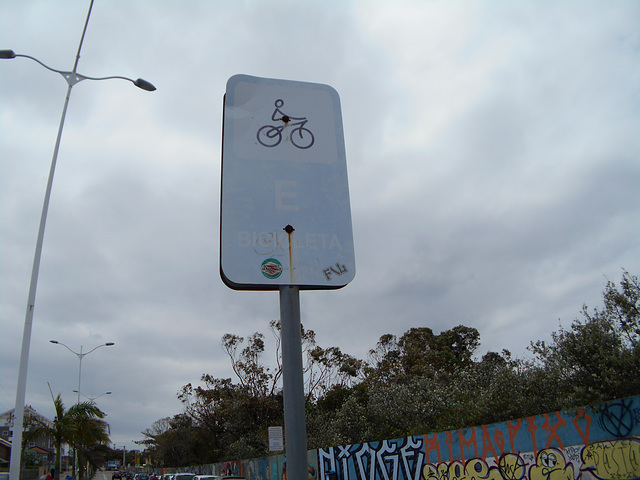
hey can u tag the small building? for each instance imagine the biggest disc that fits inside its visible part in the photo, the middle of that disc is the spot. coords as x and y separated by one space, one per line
41 450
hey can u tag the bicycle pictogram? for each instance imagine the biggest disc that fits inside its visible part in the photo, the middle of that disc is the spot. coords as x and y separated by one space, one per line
271 135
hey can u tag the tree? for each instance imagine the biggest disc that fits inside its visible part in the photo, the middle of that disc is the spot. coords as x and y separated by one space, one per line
230 416
384 363
416 384
421 353
623 308
253 375
599 357
154 437
173 442
89 433
81 426
328 369
63 428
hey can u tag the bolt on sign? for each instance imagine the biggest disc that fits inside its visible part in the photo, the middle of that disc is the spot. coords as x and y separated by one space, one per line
285 211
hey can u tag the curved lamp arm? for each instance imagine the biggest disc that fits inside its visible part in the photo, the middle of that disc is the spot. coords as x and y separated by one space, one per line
92 399
81 354
55 342
73 78
108 344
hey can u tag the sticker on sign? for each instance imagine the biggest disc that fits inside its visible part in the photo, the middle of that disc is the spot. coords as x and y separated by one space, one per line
285 215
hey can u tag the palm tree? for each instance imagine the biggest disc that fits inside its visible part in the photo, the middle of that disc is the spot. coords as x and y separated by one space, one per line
90 432
81 427
61 429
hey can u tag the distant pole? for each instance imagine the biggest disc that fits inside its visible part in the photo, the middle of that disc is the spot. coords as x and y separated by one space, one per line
80 356
295 433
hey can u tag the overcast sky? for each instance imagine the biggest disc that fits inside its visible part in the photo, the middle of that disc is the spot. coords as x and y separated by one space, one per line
494 169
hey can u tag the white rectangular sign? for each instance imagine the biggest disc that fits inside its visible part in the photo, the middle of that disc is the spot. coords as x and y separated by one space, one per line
276 439
285 211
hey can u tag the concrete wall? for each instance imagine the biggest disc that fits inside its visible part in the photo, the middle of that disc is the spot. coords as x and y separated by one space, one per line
600 442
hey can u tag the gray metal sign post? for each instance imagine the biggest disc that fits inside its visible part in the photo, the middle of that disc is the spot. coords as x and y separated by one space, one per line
285 217
294 405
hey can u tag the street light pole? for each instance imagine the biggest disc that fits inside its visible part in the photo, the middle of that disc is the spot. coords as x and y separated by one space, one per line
80 356
71 78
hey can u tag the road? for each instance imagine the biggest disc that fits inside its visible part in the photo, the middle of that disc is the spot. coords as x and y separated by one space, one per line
101 475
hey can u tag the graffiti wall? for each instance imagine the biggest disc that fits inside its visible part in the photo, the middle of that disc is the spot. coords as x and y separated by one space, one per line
600 442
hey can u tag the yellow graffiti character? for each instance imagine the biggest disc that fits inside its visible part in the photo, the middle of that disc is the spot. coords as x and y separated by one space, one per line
551 465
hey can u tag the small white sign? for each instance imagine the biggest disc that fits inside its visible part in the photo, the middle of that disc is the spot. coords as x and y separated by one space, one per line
276 439
285 210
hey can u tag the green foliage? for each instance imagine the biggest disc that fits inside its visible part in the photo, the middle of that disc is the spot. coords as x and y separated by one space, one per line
82 427
421 354
226 418
623 308
420 383
599 357
178 444
253 376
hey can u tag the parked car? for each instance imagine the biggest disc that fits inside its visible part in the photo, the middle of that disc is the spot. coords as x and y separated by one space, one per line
184 476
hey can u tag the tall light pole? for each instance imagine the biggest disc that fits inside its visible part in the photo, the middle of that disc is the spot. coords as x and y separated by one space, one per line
71 78
80 356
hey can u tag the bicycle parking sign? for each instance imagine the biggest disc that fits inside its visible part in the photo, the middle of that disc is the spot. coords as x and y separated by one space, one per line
285 212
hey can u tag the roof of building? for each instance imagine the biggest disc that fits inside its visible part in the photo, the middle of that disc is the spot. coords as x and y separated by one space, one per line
39 449
6 418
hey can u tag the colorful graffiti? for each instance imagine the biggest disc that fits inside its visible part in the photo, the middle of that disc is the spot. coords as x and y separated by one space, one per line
612 460
600 442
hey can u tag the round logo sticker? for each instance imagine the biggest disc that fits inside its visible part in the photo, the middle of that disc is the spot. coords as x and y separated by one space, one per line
271 268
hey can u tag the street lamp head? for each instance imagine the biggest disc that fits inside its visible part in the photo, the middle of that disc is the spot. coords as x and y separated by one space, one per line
7 54
143 84
53 341
108 344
